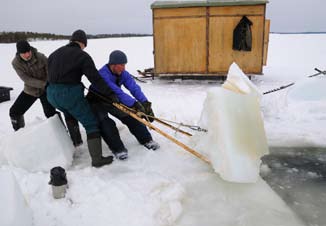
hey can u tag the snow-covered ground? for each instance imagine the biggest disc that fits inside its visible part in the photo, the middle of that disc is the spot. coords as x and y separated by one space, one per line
170 186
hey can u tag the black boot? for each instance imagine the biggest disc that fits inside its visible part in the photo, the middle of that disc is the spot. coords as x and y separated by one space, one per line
95 150
17 122
73 128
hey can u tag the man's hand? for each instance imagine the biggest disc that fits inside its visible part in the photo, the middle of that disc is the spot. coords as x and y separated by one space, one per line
138 107
148 110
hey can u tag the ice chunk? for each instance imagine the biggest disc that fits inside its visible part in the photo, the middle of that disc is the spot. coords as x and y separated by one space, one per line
14 208
236 137
238 82
26 147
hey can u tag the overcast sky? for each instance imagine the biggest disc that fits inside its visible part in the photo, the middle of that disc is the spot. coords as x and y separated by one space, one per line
135 16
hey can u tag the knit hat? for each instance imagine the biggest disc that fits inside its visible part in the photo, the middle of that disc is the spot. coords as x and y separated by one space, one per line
118 57
79 36
23 46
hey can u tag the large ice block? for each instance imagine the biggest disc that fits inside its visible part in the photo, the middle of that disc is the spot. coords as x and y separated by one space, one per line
40 147
236 137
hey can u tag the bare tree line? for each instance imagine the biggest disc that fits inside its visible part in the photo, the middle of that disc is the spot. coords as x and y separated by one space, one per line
12 37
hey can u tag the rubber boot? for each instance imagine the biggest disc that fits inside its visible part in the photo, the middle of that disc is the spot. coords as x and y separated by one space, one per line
73 128
17 122
95 150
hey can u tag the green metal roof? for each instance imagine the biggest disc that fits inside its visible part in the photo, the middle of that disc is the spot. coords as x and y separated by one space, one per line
187 3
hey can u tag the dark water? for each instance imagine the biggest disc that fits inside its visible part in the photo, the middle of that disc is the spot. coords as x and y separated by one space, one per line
298 176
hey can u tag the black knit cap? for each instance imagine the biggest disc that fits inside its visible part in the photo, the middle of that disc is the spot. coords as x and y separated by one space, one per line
79 36
117 57
23 46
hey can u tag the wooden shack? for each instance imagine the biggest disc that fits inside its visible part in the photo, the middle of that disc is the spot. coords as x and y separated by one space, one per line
197 37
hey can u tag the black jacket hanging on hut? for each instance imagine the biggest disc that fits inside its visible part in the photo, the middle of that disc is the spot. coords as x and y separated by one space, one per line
242 37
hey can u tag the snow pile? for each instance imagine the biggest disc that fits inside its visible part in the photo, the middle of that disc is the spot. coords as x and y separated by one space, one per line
14 208
3 159
112 195
26 148
236 137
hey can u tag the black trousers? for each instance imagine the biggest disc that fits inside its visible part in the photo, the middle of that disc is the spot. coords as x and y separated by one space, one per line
24 101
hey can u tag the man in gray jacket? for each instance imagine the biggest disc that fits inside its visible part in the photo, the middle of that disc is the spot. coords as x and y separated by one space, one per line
32 67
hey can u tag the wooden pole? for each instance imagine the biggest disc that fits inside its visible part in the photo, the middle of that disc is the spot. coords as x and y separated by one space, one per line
140 114
185 147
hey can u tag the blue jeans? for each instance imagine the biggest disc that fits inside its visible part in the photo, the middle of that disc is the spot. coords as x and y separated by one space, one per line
69 98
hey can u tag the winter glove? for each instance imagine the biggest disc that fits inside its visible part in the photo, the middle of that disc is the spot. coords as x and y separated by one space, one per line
138 107
148 110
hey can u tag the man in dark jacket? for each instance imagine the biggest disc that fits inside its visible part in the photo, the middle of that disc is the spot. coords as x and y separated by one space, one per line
31 67
65 91
115 76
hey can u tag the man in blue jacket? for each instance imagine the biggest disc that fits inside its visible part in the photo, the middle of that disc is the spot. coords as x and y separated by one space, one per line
115 75
65 91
